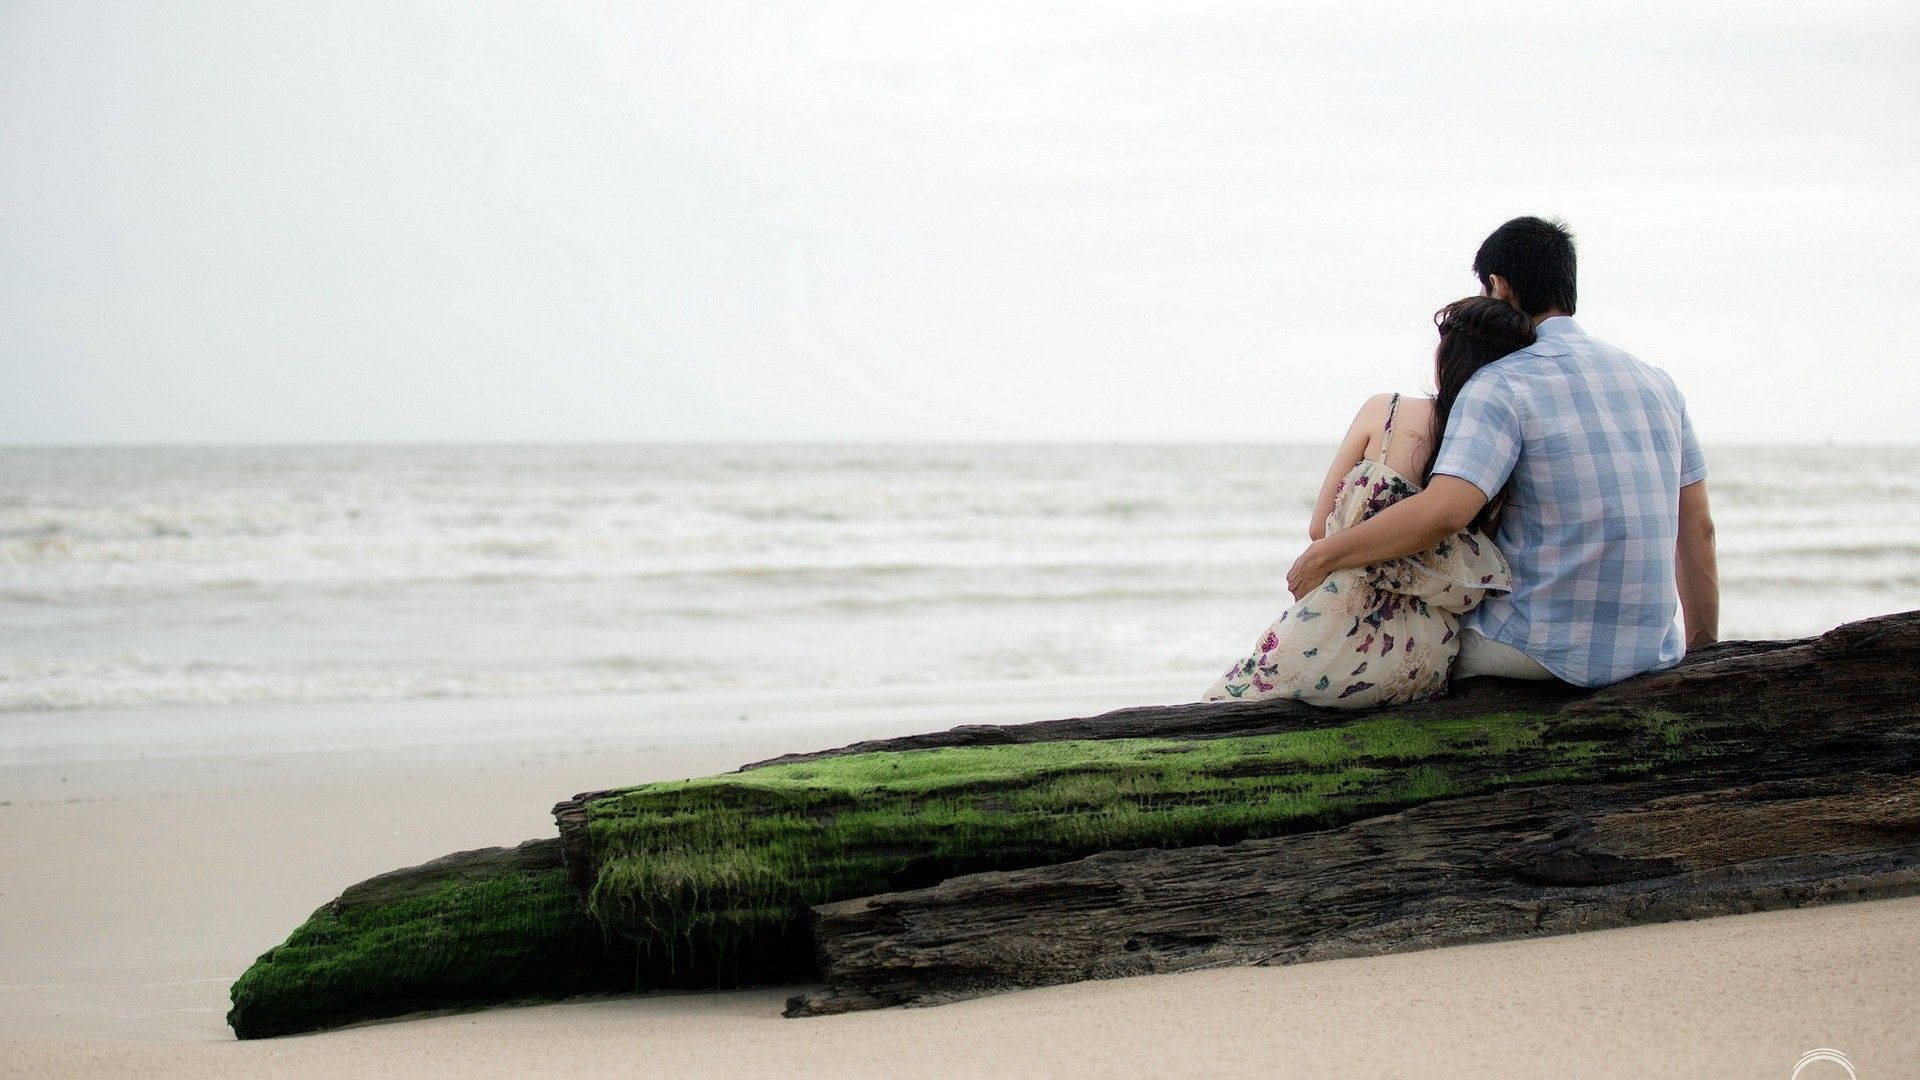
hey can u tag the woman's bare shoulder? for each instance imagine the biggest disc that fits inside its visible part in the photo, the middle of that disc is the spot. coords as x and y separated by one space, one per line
1373 412
1416 404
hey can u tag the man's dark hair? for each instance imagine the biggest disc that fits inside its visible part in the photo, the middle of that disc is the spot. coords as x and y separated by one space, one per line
1536 258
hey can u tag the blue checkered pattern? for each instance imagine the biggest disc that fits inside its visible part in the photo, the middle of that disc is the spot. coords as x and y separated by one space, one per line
1598 445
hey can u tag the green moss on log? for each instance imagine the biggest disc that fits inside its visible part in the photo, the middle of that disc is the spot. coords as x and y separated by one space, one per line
472 929
715 874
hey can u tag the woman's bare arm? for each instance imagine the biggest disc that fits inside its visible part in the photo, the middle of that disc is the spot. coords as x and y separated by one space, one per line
1352 448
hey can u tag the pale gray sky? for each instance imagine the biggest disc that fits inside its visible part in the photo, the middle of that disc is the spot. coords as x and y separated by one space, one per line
705 220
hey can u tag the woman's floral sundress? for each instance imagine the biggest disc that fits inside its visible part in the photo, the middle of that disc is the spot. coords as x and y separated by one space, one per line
1383 634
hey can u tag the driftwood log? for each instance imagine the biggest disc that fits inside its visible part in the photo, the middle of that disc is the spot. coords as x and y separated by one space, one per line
1754 775
1822 804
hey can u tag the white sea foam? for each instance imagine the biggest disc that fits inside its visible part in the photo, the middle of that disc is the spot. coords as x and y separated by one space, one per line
236 575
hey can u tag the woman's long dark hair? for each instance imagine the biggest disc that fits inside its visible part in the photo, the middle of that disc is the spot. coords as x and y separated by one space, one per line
1473 333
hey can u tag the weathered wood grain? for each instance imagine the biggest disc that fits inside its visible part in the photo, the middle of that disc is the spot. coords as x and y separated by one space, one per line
1517 863
1822 803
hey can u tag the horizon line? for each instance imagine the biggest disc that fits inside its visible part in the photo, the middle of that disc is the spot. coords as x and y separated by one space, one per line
1823 443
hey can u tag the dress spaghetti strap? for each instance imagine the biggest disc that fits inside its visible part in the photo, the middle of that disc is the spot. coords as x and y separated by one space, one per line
1386 434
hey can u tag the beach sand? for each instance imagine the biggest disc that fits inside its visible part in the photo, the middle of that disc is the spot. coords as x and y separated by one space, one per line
137 881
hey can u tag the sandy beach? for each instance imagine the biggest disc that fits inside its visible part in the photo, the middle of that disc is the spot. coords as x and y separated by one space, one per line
138 884
421 414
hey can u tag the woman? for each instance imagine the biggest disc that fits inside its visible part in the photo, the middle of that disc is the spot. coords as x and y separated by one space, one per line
1387 634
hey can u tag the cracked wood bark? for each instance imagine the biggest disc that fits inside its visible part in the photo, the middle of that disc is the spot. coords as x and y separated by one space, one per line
1825 806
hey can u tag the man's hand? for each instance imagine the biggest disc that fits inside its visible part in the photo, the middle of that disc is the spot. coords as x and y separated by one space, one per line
1309 570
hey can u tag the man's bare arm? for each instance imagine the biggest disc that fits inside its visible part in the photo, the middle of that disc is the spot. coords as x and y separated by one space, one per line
1696 571
1416 523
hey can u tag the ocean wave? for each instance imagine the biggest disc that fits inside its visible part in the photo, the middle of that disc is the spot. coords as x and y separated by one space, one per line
522 565
1841 551
1818 586
108 683
1275 586
298 574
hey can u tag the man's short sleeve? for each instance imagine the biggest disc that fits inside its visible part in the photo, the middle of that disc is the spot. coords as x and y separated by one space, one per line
1483 434
1693 464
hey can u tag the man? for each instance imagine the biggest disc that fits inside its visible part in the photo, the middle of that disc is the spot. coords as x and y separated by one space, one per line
1606 527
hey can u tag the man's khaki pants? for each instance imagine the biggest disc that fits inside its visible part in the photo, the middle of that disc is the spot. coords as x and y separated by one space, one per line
1481 655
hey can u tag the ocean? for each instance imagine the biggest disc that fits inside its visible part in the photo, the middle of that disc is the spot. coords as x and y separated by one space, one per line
224 576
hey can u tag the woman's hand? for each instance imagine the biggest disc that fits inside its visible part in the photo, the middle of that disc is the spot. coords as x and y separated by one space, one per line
1310 570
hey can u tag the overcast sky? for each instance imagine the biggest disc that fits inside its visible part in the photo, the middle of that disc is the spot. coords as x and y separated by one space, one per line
703 220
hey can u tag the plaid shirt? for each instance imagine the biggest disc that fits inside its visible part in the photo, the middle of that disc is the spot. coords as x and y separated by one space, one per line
1598 446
